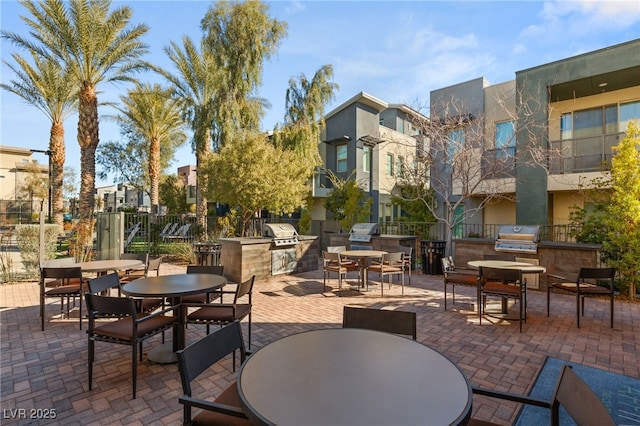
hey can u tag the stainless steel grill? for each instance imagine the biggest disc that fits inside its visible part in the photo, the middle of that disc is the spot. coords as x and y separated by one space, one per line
362 232
282 234
517 239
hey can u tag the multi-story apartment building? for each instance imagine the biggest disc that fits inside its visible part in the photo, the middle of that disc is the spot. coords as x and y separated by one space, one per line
15 165
368 140
558 121
115 197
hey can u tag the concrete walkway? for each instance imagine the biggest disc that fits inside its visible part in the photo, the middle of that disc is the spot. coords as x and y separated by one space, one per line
48 370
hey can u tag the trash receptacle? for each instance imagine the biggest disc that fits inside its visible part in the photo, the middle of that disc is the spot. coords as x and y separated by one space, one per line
207 254
432 253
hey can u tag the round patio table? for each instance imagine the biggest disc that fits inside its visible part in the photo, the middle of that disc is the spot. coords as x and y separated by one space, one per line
362 256
507 264
346 376
174 287
109 265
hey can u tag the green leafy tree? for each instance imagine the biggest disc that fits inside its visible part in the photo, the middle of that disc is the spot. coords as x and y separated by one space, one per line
35 185
50 88
173 195
240 37
622 247
348 202
96 45
217 80
304 119
411 200
153 115
251 174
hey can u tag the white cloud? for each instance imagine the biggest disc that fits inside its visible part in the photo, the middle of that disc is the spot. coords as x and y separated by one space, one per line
582 16
294 7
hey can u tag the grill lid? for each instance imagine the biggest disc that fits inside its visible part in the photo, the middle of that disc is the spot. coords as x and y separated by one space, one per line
517 239
362 232
281 233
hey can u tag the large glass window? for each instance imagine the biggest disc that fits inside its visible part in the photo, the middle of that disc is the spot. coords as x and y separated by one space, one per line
629 111
456 141
341 155
587 123
505 134
400 166
366 158
566 126
390 165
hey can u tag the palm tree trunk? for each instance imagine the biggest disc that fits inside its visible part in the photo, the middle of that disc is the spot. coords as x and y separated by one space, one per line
154 174
203 148
57 158
88 140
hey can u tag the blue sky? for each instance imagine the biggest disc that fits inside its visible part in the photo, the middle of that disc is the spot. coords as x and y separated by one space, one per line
396 51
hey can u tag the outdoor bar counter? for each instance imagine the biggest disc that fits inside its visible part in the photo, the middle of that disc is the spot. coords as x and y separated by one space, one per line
243 257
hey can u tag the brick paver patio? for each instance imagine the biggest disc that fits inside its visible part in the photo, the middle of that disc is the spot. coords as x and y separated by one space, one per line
48 370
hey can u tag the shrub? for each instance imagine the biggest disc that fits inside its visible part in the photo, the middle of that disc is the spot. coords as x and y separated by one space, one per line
28 239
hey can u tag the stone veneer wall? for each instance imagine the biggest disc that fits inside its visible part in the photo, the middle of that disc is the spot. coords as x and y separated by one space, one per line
244 257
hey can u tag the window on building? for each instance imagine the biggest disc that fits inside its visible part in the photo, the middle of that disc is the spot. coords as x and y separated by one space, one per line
341 154
604 120
629 111
456 141
366 158
400 166
566 126
505 139
390 164
505 134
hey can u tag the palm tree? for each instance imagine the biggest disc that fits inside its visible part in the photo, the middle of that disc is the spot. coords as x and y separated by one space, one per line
151 112
48 87
195 86
96 45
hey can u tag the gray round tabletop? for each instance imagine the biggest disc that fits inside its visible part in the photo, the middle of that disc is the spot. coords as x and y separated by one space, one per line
109 265
173 285
507 264
352 376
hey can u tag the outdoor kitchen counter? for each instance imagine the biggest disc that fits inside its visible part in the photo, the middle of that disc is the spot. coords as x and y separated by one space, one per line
243 257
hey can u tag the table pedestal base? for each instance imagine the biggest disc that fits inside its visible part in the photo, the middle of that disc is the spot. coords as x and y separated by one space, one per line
163 354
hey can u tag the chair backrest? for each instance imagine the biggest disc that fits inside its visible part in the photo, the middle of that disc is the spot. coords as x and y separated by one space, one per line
499 274
107 306
331 257
154 265
182 231
64 274
393 259
244 288
166 228
596 274
204 269
447 264
397 322
142 257
336 249
580 402
103 282
200 355
500 256
60 262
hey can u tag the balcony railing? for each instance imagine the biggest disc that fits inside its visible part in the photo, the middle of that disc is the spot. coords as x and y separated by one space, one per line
580 155
498 163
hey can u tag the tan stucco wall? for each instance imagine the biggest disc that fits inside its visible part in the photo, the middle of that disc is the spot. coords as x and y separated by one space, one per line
501 212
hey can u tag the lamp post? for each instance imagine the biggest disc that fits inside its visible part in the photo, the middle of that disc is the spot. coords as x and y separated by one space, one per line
47 153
